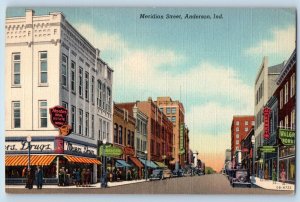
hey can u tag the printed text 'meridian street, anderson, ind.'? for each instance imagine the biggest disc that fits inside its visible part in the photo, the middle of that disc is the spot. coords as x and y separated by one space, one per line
179 16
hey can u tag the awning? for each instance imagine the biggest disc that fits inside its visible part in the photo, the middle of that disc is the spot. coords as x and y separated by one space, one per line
122 164
136 162
35 160
80 159
150 164
160 164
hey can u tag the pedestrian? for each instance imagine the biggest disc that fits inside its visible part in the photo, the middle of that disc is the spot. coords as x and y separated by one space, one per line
83 176
274 176
77 177
283 176
30 178
261 174
88 177
24 171
39 177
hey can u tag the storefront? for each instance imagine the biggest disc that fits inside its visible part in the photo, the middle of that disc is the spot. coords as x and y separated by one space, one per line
287 162
149 164
52 154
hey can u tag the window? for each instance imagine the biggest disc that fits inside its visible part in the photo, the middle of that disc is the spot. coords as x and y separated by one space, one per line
43 68
173 119
138 144
99 93
286 121
237 123
132 139
237 142
237 129
43 114
92 90
16 67
64 71
246 129
73 118
115 133
80 126
108 99
293 116
80 87
100 130
16 114
237 148
237 136
104 129
281 124
161 109
93 126
293 85
107 130
286 92
103 98
87 125
253 123
128 137
73 77
120 135
65 105
281 99
173 110
86 86
246 123
168 110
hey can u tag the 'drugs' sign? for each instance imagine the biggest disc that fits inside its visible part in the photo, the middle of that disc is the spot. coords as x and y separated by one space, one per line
58 116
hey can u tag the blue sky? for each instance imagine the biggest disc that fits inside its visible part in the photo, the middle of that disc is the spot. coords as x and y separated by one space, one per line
213 62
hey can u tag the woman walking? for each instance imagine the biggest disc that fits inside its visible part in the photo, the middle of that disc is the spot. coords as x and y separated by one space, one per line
283 176
77 177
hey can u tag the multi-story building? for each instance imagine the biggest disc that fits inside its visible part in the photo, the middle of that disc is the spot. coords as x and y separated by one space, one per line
49 63
265 85
227 155
186 145
247 149
286 96
240 127
159 130
174 110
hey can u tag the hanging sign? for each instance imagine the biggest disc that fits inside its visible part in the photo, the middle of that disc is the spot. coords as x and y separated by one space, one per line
267 111
58 116
287 137
110 151
268 149
181 139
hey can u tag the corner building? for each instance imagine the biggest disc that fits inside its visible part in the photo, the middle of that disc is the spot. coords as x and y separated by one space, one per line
50 63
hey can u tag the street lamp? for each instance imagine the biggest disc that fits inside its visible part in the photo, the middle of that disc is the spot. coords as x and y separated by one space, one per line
103 180
253 144
146 171
29 148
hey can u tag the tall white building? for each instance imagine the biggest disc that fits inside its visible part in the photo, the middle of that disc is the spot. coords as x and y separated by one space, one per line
49 63
265 85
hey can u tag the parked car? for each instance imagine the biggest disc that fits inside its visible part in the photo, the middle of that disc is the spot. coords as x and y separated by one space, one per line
161 174
240 177
167 173
178 173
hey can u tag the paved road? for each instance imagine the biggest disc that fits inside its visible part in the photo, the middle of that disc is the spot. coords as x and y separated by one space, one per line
208 184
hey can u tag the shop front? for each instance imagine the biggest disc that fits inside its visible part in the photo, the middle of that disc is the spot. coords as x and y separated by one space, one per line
287 164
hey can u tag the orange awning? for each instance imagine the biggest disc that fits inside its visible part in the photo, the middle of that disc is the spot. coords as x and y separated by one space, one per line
35 160
77 159
136 162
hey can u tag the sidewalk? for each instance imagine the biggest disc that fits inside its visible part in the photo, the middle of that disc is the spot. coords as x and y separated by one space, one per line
97 185
268 184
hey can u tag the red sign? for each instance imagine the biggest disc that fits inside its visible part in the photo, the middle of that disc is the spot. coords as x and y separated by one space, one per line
59 145
128 151
58 116
267 112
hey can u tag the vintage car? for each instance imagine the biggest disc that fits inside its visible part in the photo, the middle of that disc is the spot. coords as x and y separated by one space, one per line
161 174
239 177
177 173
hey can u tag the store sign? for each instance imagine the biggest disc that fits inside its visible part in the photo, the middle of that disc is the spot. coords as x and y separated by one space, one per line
34 146
58 116
287 137
181 139
267 112
268 149
78 148
128 151
110 151
59 145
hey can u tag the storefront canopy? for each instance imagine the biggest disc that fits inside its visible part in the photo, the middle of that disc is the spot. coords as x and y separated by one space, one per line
35 160
150 164
80 159
160 164
122 164
136 162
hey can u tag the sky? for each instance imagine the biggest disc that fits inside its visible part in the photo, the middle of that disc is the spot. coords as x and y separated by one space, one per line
209 65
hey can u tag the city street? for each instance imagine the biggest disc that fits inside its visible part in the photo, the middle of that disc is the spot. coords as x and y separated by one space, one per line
208 184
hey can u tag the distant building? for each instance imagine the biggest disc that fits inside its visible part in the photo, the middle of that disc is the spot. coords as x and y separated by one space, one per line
227 155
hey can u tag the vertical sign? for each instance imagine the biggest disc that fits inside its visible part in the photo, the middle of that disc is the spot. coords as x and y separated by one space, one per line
181 139
267 111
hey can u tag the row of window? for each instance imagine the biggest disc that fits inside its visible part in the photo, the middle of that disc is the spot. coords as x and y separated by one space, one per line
172 119
43 68
259 93
120 134
171 110
237 129
86 86
284 92
246 123
141 145
289 123
141 127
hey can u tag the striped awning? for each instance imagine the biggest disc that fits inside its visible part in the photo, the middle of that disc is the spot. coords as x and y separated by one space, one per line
160 164
79 159
35 160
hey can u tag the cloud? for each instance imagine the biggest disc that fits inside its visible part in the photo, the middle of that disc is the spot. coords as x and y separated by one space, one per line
283 41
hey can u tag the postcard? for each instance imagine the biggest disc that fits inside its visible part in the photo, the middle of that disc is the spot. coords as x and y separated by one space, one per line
150 100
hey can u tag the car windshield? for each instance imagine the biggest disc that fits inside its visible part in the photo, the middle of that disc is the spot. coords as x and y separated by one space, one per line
238 173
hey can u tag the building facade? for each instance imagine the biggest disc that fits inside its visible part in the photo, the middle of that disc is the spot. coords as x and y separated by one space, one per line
49 63
247 151
175 112
240 127
159 130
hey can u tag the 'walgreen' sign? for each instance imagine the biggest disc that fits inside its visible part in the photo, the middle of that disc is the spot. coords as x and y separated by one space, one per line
181 139
268 149
110 151
287 137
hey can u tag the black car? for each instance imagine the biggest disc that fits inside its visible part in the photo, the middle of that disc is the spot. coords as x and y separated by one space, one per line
177 173
239 177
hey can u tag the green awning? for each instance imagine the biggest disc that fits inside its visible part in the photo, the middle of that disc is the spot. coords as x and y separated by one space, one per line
122 164
160 164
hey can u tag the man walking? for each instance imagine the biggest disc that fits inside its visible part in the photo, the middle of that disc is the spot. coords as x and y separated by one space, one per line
39 177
